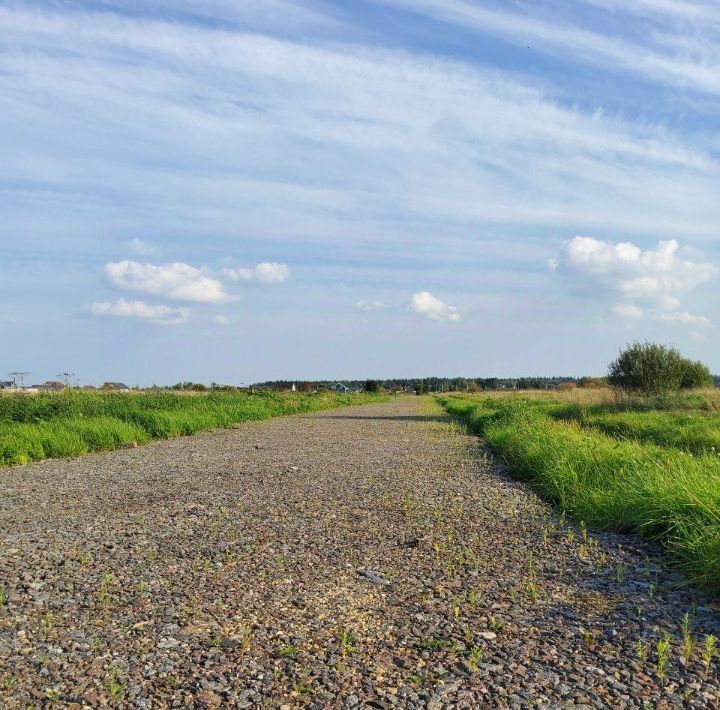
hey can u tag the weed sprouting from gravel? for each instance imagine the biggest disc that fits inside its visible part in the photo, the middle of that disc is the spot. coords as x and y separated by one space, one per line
495 624
475 657
47 622
473 598
3 595
620 572
114 688
709 651
104 590
289 652
687 641
590 638
662 655
531 583
346 644
642 650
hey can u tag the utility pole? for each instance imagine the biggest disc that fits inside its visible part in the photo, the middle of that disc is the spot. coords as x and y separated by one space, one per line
19 379
66 378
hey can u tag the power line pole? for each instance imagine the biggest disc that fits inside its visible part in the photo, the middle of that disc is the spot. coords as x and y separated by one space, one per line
19 379
66 378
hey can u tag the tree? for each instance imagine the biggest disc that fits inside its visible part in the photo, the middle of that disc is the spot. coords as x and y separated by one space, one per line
653 368
421 387
372 386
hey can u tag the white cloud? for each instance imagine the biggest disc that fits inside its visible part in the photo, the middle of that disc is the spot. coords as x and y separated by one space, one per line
685 318
138 246
648 55
628 310
365 305
267 272
222 320
655 278
179 281
465 139
428 305
164 315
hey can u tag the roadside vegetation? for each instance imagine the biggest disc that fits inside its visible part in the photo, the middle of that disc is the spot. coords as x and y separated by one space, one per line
643 460
75 422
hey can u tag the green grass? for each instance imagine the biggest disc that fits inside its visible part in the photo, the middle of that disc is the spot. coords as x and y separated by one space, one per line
698 433
73 422
613 484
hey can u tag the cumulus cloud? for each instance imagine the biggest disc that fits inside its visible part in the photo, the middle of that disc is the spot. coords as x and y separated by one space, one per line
178 281
164 315
428 305
653 278
365 305
222 320
627 310
267 272
141 248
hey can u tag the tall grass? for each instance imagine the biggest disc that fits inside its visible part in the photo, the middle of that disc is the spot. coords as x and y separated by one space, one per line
692 432
611 484
73 422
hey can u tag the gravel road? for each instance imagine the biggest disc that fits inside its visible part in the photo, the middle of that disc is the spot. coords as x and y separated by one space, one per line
366 557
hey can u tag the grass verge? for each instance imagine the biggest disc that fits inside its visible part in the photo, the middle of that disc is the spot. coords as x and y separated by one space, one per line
622 485
71 423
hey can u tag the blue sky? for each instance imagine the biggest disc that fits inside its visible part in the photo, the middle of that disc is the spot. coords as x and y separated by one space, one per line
240 191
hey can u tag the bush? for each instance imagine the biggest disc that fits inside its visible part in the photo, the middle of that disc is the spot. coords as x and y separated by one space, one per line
652 368
697 374
592 383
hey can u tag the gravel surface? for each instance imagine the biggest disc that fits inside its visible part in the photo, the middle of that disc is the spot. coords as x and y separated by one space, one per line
365 557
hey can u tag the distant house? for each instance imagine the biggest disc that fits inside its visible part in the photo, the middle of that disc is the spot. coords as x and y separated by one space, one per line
340 387
115 386
49 386
7 385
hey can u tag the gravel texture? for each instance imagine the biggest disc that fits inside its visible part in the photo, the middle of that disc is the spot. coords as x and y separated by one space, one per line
365 557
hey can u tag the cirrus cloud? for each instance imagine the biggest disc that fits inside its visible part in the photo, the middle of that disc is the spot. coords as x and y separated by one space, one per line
425 304
365 305
178 281
267 272
161 314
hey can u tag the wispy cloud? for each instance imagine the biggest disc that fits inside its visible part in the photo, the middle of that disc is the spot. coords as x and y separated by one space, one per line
160 314
141 248
367 305
653 60
264 273
466 139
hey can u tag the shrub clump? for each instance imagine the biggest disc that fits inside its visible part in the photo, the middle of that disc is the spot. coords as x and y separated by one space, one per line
652 368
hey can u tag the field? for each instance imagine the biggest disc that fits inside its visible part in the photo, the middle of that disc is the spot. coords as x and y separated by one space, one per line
648 466
73 422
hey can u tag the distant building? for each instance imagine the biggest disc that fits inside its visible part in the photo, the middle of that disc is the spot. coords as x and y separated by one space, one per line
7 385
49 386
340 387
115 386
